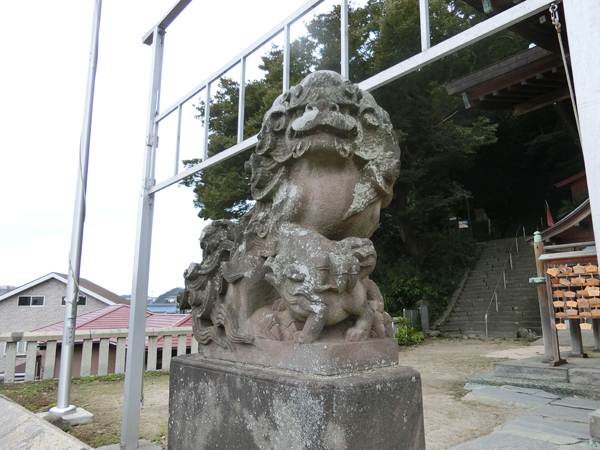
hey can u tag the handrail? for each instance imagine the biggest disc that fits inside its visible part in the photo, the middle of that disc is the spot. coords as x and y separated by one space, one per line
172 337
87 334
574 245
502 277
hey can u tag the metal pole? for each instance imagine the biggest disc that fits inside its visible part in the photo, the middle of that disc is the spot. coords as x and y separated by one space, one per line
486 326
134 370
206 122
242 100
286 57
469 219
178 146
425 33
66 360
345 65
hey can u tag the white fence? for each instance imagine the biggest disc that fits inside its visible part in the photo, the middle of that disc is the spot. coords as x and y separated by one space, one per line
108 357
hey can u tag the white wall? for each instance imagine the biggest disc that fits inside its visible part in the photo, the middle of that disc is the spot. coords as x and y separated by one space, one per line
28 318
583 20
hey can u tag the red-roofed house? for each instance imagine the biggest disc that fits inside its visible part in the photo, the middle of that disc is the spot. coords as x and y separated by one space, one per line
41 302
110 318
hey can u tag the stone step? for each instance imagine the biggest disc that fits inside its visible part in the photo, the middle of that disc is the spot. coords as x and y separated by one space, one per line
483 292
502 300
517 304
526 295
468 304
491 330
508 295
492 312
518 294
497 268
496 317
487 272
509 301
480 325
507 334
483 307
505 298
494 279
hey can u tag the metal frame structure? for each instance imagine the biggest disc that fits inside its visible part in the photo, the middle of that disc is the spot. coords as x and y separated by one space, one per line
155 37
63 405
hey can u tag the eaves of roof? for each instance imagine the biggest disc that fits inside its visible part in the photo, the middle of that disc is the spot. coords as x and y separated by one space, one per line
576 216
85 286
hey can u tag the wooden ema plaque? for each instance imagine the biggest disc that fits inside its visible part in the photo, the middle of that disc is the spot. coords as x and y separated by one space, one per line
575 293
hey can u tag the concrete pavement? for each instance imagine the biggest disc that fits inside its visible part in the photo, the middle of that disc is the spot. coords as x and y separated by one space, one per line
21 429
554 422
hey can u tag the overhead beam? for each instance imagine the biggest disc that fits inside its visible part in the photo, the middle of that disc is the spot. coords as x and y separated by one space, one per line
309 5
509 96
546 64
542 100
492 106
167 19
474 34
526 89
543 83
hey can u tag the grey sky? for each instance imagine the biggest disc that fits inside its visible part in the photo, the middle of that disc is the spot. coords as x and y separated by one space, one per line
42 91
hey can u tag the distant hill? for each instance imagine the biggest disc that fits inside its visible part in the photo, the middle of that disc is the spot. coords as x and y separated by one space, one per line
172 293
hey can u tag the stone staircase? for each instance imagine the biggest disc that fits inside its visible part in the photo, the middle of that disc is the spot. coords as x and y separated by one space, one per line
517 304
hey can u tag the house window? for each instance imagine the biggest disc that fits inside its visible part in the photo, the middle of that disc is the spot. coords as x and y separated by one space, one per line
80 302
21 347
31 301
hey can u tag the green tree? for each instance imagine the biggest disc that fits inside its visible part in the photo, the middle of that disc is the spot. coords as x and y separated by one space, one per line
222 191
170 293
419 258
514 176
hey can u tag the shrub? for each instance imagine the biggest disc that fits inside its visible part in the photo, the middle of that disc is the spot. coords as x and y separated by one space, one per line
406 334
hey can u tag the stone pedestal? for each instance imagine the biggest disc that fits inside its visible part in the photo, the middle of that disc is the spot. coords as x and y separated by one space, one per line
217 404
325 357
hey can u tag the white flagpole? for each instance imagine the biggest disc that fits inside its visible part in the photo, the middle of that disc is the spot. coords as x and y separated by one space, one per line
66 355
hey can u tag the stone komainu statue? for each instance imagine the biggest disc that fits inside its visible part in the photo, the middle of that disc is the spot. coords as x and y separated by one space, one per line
296 267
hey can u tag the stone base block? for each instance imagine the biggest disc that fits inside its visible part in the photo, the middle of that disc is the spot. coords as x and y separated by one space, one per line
78 417
531 369
594 417
585 376
225 405
325 357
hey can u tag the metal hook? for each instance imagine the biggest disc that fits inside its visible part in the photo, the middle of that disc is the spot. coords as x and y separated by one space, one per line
554 17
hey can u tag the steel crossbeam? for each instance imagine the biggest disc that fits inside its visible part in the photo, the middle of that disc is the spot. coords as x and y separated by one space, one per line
513 15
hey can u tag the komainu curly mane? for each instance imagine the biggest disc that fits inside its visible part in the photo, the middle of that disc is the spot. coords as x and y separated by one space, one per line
324 166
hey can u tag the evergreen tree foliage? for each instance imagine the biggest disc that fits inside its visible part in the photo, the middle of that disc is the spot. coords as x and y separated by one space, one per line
449 153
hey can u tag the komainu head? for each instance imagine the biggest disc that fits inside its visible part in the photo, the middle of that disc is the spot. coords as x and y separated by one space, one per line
323 116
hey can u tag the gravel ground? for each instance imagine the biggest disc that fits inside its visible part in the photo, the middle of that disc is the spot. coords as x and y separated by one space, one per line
444 365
